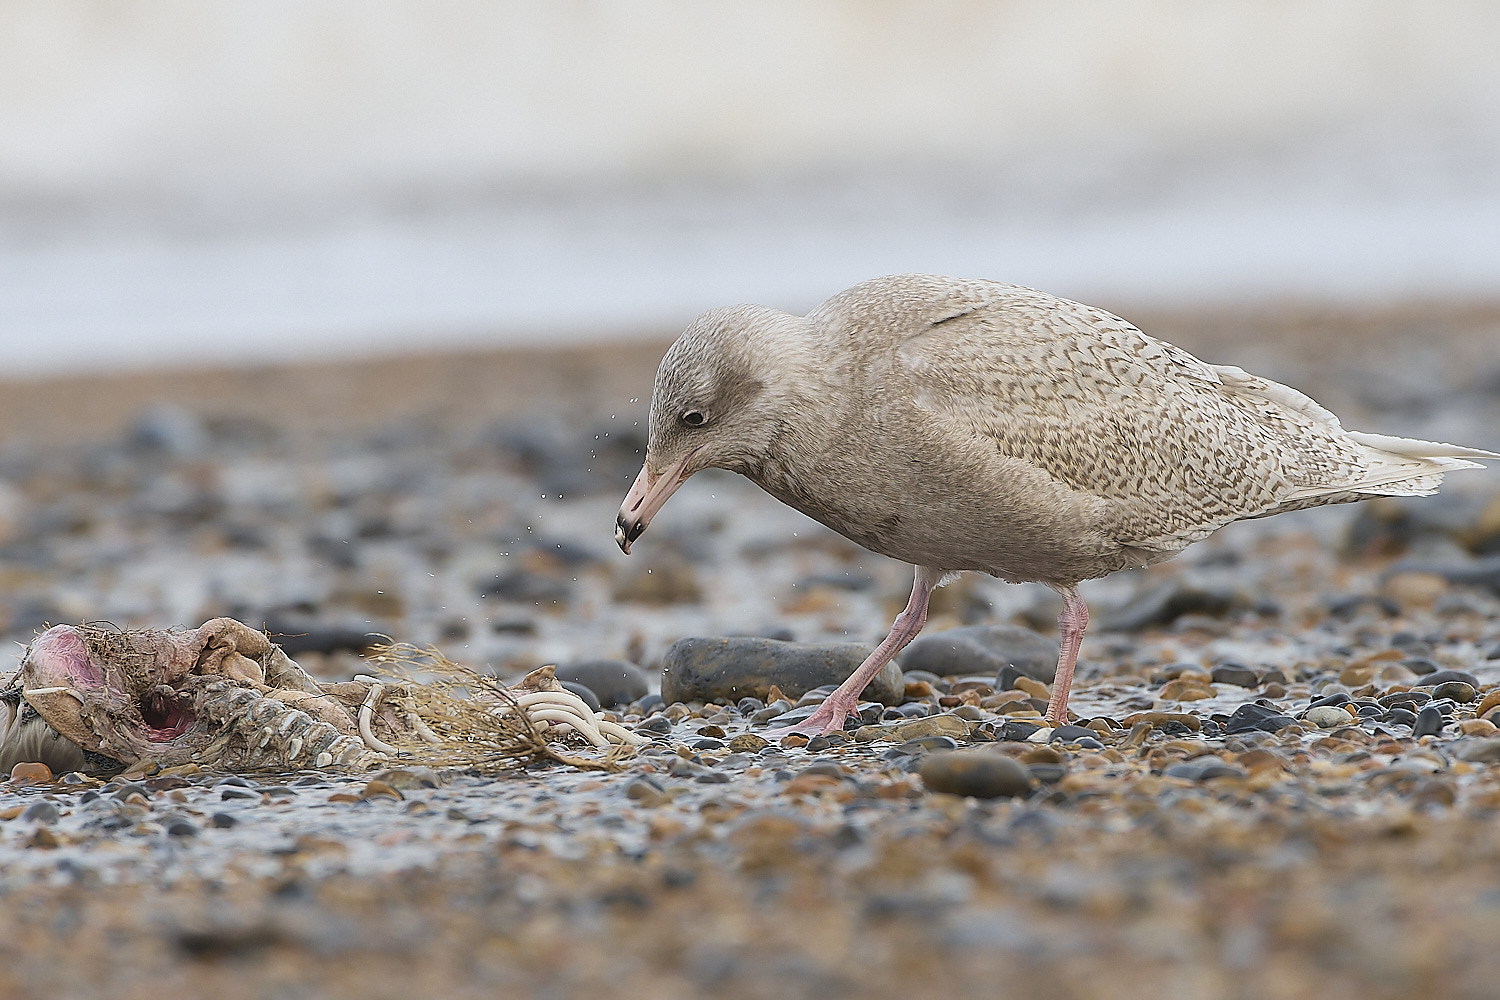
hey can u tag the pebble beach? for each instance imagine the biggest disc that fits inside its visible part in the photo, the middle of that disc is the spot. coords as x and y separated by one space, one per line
1283 779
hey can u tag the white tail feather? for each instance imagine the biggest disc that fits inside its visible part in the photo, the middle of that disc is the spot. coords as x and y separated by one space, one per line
1399 467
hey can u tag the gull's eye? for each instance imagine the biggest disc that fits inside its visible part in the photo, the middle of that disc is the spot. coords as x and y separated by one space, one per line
693 418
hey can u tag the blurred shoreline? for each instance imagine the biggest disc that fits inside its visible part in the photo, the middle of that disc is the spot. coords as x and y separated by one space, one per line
1380 365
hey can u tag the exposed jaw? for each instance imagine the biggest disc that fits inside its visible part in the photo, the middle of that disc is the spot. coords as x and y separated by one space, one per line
647 495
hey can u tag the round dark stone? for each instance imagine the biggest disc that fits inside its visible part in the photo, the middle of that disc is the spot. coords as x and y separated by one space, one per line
707 743
650 703
655 724
1429 722
1405 698
613 682
1252 717
1017 731
1460 691
182 828
225 820
1401 717
983 650
236 792
235 779
1070 734
1420 665
1234 673
585 692
979 773
1444 676
1048 773
702 669
748 705
1332 700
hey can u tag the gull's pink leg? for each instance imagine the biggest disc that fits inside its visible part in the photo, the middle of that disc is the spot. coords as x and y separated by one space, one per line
1071 623
841 704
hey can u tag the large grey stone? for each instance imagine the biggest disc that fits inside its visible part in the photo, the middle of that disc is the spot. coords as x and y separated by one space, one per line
614 682
702 669
983 649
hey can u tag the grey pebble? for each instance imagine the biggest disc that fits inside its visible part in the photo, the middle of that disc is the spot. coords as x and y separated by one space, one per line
1327 717
236 792
1234 673
1429 722
42 812
926 743
1208 767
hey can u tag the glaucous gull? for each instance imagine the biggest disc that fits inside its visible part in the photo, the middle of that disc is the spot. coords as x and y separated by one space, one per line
972 425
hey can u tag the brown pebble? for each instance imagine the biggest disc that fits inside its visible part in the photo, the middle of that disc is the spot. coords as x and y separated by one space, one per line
407 778
794 740
1157 718
343 797
933 725
1432 792
143 768
1000 698
979 773
1186 689
1033 687
1490 700
380 790
1042 755
44 838
27 773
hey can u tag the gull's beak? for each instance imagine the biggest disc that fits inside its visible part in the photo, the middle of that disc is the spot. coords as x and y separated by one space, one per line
646 497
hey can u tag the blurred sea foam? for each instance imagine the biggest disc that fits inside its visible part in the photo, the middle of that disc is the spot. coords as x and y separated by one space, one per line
190 182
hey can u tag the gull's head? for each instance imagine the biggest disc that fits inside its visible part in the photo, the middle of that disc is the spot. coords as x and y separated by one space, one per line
720 401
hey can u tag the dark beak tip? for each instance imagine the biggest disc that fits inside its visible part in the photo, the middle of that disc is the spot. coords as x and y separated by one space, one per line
624 536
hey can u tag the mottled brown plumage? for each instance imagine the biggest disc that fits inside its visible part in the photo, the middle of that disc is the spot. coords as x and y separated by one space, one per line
972 425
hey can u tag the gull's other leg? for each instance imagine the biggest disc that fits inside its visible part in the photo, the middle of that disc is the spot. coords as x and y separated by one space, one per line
1071 623
841 704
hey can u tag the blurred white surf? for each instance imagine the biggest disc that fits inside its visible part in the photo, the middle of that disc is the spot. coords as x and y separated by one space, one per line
196 182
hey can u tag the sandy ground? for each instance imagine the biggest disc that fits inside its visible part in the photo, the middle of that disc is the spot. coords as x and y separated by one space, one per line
1360 860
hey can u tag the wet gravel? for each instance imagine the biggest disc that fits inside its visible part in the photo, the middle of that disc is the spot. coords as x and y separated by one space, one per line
1283 780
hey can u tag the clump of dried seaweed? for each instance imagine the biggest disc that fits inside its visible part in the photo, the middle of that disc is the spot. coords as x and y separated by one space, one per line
467 711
